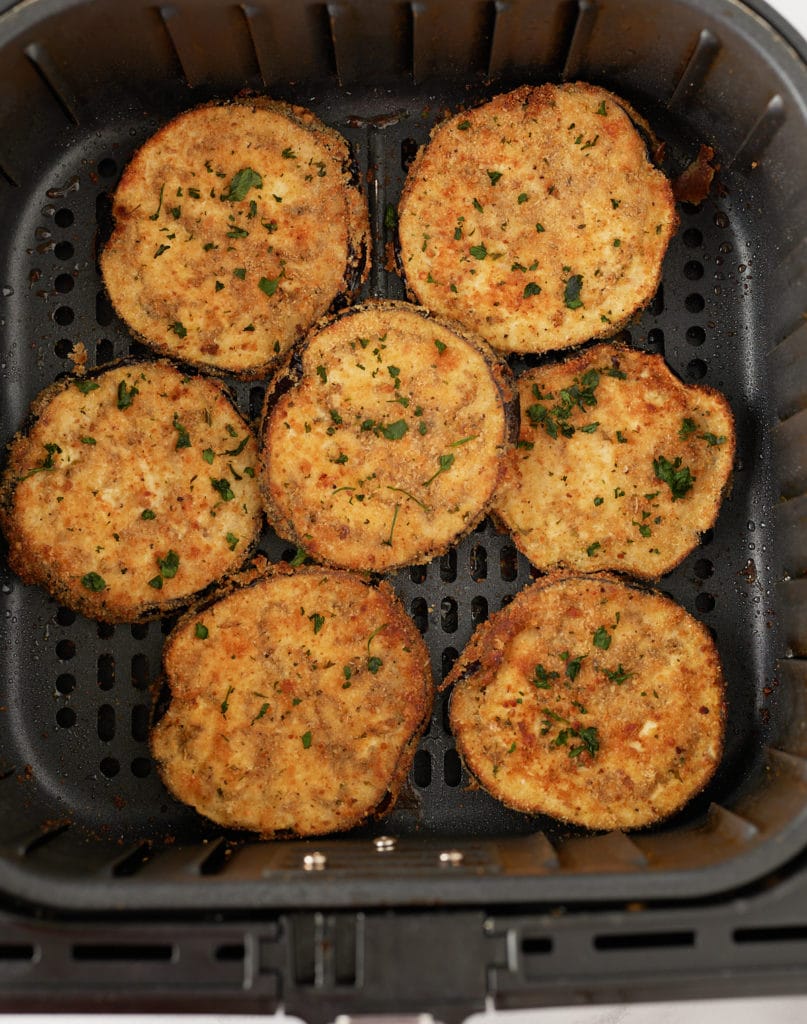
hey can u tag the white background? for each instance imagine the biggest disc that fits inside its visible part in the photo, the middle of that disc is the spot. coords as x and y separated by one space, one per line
786 1010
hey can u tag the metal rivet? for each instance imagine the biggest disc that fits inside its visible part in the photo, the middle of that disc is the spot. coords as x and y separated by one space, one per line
385 843
452 857
314 861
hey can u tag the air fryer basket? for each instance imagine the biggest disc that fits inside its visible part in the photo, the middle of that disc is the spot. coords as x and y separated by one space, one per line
84 821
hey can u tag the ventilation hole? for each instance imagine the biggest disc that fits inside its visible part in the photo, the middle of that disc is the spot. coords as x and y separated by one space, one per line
693 238
106 723
704 569
782 933
140 723
122 951
141 767
12 951
655 339
65 650
64 316
105 630
409 149
532 946
106 671
65 617
110 766
479 563
422 769
140 672
418 573
419 610
64 283
104 313
694 303
646 940
63 348
448 615
140 630
696 335
63 251
256 401
446 716
107 168
452 768
447 660
696 369
508 563
66 718
704 602
479 610
693 270
104 351
233 952
63 218
448 566
66 683
707 537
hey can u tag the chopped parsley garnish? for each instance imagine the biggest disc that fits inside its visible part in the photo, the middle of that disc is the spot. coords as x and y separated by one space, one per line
240 273
242 181
618 675
223 488
712 439
463 126
688 426
571 293
156 582
270 225
178 328
479 252
592 549
306 740
395 431
531 289
555 420
540 228
126 394
523 197
374 664
169 565
147 514
601 638
322 373
601 109
225 704
86 386
194 193
299 557
598 501
621 437
237 233
208 455
160 250
572 664
289 154
446 462
677 477
440 345
92 581
88 440
241 446
232 541
183 437
156 213
268 285
318 621
494 176
541 677
200 631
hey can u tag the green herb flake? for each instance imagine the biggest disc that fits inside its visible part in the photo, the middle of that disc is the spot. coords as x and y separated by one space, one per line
241 182
263 709
268 285
688 426
225 704
463 126
621 437
601 638
494 176
479 252
592 549
317 620
222 486
148 514
126 394
156 582
240 273
92 581
677 477
86 386
322 373
712 439
395 431
541 677
306 740
374 664
523 197
232 541
601 109
183 437
540 228
446 462
169 565
156 213
589 428
573 665
299 557
200 631
289 154
571 293
478 206
531 289
178 328
88 440
618 675
440 346
208 455
598 501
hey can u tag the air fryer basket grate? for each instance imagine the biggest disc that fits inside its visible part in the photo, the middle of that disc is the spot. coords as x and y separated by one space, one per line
82 799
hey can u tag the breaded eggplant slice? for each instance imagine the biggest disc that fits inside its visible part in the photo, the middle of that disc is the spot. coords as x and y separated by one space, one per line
591 701
389 442
236 227
297 702
536 219
130 490
619 464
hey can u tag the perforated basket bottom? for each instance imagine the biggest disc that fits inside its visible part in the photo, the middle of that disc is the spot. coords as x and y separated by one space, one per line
77 694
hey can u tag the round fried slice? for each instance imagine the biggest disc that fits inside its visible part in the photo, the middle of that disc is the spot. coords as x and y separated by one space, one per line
296 706
591 701
130 490
536 219
237 226
391 443
619 465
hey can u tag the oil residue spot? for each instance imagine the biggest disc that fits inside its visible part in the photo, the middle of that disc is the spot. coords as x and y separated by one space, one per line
721 219
751 525
6 291
72 185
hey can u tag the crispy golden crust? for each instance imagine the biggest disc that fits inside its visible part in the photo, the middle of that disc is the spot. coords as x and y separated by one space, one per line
591 701
593 500
297 703
129 491
392 443
236 227
536 219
